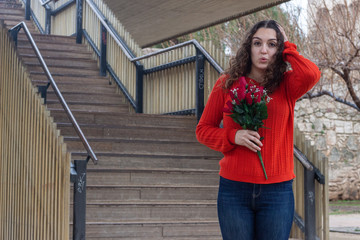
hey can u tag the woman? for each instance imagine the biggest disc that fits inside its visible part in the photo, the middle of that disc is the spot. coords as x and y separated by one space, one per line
249 205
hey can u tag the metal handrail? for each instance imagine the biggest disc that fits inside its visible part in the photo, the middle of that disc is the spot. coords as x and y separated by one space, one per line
132 59
89 150
44 3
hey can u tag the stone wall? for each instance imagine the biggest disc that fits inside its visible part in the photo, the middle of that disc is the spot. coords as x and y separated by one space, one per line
335 130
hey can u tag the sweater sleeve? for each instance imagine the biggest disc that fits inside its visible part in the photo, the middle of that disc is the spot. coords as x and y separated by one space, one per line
208 131
304 74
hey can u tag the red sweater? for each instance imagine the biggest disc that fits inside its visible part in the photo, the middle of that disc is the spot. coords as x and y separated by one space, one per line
240 163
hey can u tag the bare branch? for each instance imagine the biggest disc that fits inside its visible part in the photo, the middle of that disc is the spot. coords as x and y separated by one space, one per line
324 92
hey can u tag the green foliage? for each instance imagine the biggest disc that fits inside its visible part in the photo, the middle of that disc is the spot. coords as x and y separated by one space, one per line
250 116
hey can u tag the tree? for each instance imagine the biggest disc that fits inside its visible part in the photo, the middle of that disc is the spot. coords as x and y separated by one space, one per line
227 36
334 44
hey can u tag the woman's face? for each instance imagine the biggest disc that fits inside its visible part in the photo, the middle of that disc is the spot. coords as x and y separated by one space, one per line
263 49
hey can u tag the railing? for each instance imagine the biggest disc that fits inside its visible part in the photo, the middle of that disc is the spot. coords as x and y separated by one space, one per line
14 32
34 162
44 24
78 170
201 56
311 197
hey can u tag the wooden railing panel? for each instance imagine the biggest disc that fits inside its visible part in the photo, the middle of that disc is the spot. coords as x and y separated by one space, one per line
39 12
34 163
321 191
64 23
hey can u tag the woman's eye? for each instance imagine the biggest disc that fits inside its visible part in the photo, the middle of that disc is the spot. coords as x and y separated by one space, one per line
257 43
272 44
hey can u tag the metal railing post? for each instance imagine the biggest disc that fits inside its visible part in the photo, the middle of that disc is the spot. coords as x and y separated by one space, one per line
47 20
139 87
27 10
200 63
103 45
14 35
79 208
310 216
79 16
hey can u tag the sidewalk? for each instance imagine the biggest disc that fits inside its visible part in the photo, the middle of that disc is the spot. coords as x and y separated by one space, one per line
344 227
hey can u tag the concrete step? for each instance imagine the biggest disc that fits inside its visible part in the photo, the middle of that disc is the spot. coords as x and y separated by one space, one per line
150 211
11 9
127 119
154 230
65 71
59 39
54 46
13 17
104 194
10 5
126 146
130 132
110 98
209 161
9 23
49 53
84 89
112 177
97 80
63 63
94 107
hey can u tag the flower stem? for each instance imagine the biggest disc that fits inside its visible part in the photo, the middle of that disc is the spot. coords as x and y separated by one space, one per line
262 163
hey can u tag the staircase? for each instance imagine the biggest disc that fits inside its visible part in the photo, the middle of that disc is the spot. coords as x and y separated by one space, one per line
153 180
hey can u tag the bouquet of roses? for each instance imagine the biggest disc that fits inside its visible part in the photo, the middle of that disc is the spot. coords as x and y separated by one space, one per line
248 107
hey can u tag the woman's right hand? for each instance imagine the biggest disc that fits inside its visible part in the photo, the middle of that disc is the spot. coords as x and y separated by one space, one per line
249 139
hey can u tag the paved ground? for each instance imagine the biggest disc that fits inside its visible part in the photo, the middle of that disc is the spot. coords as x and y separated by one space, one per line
344 227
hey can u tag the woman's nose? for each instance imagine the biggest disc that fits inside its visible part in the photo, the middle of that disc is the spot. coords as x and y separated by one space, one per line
263 48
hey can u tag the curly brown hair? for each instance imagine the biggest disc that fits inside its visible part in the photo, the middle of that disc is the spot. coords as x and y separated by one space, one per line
240 64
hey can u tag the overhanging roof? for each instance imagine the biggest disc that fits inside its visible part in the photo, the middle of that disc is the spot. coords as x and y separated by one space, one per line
153 21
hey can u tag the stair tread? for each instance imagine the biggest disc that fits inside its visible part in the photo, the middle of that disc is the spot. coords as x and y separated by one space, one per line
180 221
86 103
122 169
155 116
150 186
125 126
115 154
151 203
129 139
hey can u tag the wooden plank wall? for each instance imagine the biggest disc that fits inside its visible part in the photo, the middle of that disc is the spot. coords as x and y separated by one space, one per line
174 89
39 11
63 23
34 163
321 191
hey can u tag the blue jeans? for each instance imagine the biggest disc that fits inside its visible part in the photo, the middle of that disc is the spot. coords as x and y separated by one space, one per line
249 211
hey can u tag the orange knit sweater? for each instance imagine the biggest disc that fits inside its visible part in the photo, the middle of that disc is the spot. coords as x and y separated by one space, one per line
240 163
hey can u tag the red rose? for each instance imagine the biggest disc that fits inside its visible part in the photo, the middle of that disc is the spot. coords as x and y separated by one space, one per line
248 98
242 81
261 90
241 92
257 97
